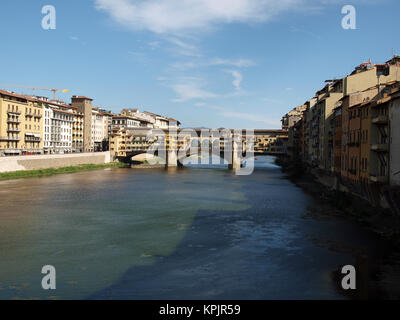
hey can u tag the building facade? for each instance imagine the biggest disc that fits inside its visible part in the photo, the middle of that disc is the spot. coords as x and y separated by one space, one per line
21 124
83 105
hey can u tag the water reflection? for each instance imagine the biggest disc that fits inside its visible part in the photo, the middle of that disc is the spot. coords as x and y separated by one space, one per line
194 232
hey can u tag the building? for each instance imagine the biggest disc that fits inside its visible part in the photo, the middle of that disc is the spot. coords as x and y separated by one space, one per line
337 142
269 141
77 131
124 122
123 141
57 126
146 120
327 99
99 130
365 76
355 132
58 130
21 124
83 105
383 139
292 117
395 139
160 122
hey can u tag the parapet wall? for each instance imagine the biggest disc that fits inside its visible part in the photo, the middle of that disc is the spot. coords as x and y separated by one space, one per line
21 163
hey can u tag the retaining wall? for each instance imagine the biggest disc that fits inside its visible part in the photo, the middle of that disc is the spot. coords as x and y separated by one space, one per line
21 163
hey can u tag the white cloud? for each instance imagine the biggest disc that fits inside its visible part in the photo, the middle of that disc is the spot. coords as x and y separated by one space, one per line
184 48
190 91
200 63
184 16
239 63
237 79
251 117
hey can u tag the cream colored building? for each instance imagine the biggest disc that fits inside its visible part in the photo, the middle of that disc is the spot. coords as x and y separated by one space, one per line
365 76
21 124
99 129
58 124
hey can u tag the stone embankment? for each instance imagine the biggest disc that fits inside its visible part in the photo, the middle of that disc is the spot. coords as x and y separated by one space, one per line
22 163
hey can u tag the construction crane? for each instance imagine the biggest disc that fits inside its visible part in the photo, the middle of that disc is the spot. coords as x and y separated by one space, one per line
42 89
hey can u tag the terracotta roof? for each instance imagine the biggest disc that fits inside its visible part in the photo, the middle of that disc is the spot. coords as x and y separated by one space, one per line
12 94
81 97
62 111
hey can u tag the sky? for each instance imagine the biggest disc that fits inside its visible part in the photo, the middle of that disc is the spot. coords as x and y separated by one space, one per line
208 63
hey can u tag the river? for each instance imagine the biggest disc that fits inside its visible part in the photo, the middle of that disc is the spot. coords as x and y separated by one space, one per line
187 233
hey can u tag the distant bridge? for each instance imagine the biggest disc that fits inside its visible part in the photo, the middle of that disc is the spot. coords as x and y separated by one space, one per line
234 146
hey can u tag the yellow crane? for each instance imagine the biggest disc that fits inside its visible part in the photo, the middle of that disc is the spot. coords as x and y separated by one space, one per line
42 89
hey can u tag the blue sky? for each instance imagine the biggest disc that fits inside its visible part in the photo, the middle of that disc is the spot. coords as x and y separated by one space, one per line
213 63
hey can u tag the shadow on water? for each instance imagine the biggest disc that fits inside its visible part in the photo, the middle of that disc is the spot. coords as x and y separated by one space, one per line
181 233
268 251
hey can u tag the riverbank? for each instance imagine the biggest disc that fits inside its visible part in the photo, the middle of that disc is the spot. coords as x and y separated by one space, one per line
52 171
330 202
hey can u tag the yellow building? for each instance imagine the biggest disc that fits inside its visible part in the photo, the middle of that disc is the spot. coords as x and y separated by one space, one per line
118 143
77 131
21 124
270 141
365 76
123 141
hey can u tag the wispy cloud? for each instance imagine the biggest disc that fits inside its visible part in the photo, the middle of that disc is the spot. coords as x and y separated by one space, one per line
237 79
215 62
184 16
190 91
239 63
253 117
184 48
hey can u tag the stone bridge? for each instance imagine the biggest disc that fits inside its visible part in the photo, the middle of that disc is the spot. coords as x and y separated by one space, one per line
233 146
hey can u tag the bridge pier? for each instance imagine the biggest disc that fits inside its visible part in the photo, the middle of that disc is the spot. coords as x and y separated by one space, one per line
172 158
236 152
172 149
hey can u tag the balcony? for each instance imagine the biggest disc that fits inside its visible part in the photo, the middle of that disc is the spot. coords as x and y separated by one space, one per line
379 179
383 147
13 121
12 151
9 138
15 113
32 139
32 151
37 116
383 119
13 130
